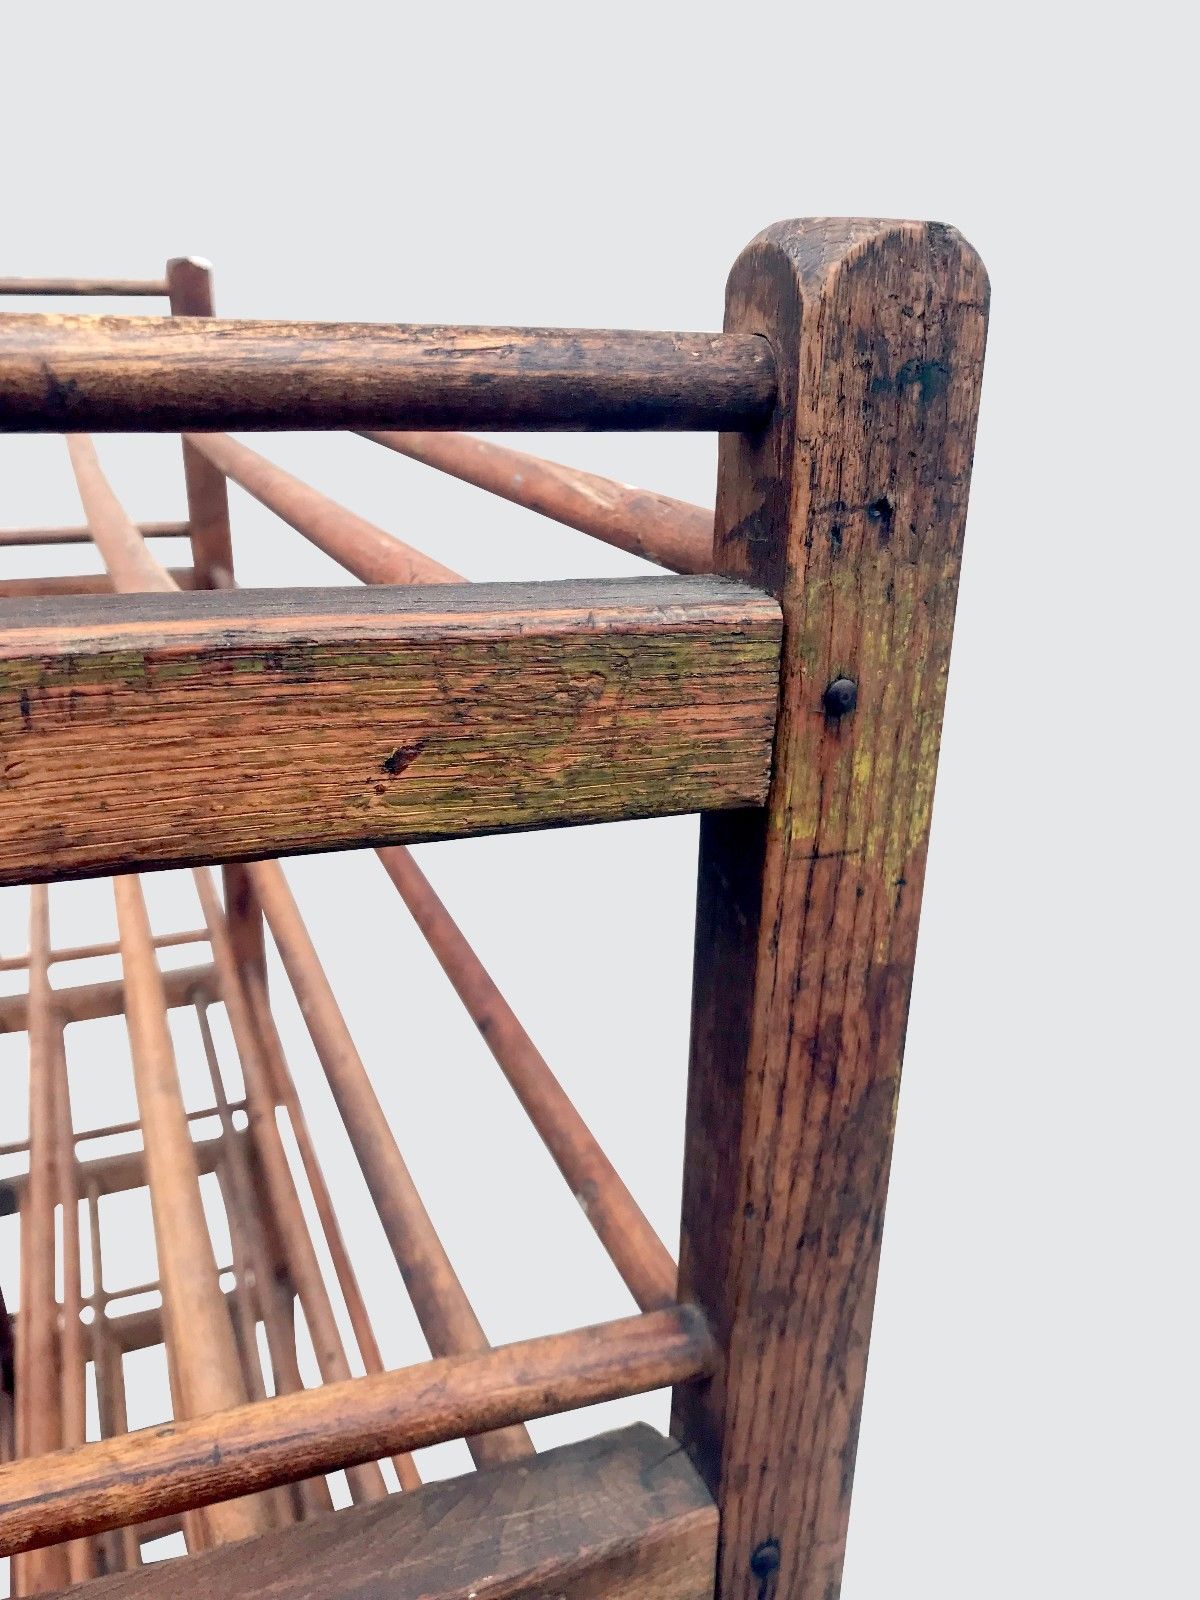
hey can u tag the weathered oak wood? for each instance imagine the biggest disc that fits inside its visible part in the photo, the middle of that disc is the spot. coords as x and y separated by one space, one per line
190 290
672 532
619 1517
203 1460
213 727
64 374
69 584
851 509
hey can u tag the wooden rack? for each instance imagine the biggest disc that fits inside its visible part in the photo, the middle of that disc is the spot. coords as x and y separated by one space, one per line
784 678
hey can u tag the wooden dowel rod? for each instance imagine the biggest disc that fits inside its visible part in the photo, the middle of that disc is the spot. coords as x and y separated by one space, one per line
38 1396
443 1310
187 374
81 1002
121 1547
670 532
112 1129
636 1250
15 537
84 286
284 1090
195 1318
285 1202
80 1552
249 1448
122 548
66 585
86 952
358 545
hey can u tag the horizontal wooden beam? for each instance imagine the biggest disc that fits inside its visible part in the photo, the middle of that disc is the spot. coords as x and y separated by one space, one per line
11 538
84 286
64 585
204 1460
81 1002
654 526
89 952
63 374
162 729
618 1517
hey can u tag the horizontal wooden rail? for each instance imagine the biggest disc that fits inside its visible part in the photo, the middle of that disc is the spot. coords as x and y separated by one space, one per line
84 1001
84 286
221 726
62 374
623 1516
204 1460
671 532
11 538
111 1130
69 584
369 552
89 952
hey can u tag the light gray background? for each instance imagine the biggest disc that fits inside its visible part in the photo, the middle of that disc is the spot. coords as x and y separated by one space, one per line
1030 1420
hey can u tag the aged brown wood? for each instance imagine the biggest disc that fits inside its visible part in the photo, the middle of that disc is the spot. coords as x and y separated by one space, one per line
204 1460
105 286
83 1001
62 374
39 1419
637 1252
369 552
80 1552
284 1090
671 532
443 1310
217 726
11 537
851 509
190 290
366 1482
619 1517
120 1545
87 952
195 1319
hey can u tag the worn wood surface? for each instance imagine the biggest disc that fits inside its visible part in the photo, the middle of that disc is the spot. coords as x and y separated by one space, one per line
369 552
62 374
671 532
850 509
203 1460
619 1517
215 726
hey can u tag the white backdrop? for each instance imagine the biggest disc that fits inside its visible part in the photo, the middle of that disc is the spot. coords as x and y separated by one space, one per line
1030 1418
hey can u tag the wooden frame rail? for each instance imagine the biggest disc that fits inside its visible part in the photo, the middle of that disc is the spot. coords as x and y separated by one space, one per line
787 683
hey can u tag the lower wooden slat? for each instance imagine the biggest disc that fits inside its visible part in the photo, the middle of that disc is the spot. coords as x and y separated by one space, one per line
163 729
623 1517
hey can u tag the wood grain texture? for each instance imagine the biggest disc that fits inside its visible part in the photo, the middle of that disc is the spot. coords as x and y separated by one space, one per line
66 374
211 727
851 509
369 552
619 1517
654 526
205 1460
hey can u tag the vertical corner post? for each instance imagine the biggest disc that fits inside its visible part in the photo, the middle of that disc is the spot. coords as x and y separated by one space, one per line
849 507
190 290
